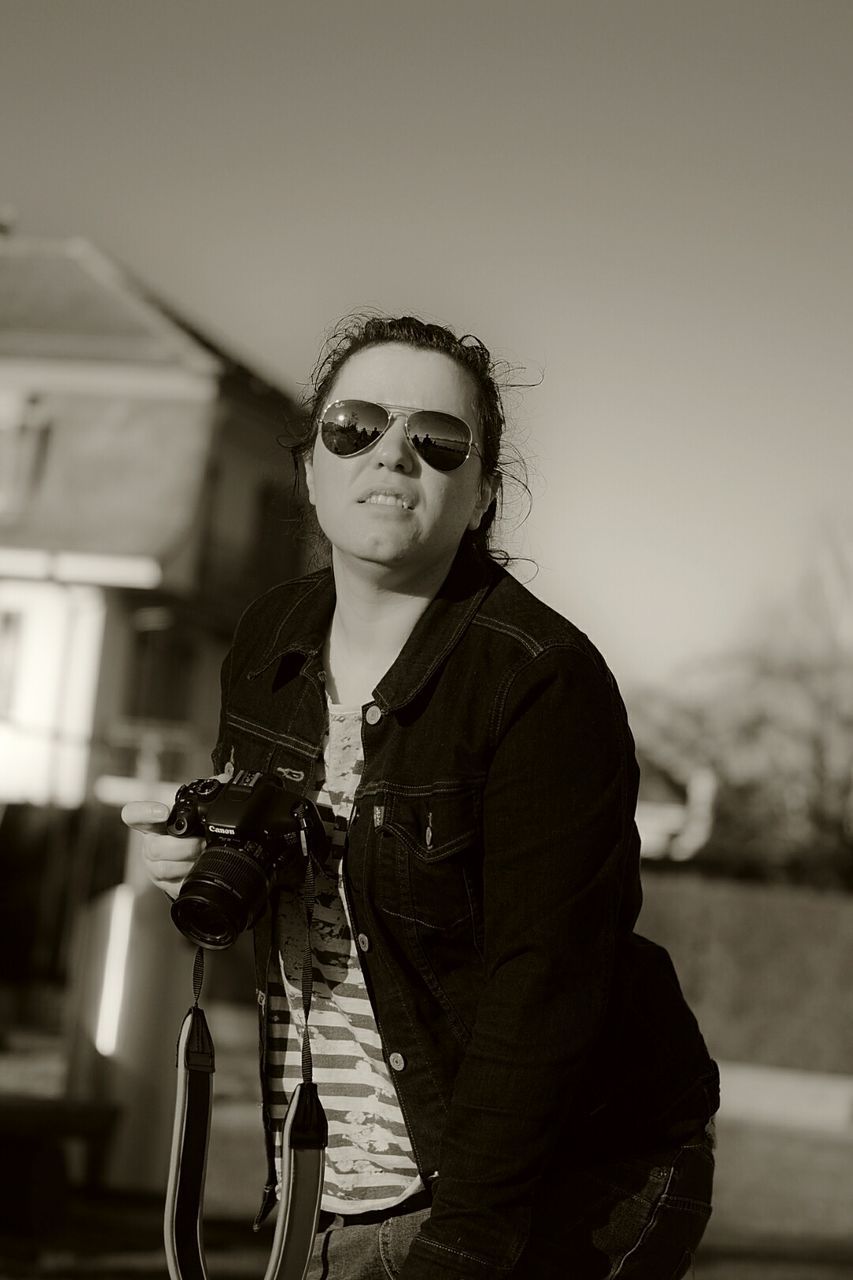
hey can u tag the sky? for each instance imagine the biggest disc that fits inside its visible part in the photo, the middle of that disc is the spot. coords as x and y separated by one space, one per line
643 206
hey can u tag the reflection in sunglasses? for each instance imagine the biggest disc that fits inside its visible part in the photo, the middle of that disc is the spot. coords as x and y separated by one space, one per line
343 434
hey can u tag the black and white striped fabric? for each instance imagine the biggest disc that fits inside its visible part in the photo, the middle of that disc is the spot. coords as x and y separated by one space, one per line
369 1160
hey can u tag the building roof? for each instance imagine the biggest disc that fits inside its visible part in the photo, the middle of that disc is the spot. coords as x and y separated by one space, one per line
65 300
121 404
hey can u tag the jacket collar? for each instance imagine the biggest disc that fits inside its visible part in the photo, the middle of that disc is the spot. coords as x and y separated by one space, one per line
303 628
439 628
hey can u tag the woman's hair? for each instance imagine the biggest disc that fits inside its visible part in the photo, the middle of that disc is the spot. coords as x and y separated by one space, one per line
358 331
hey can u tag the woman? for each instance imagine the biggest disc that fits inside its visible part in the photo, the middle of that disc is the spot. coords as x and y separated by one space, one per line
514 1083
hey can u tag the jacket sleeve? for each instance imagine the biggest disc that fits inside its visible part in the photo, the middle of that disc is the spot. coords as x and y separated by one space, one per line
219 754
559 837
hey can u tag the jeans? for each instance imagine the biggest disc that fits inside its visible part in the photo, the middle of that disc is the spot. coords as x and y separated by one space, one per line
637 1219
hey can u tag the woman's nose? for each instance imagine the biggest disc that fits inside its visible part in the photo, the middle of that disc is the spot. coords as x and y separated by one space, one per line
393 450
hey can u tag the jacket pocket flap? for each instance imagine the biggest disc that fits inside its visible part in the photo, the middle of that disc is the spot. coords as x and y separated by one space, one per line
436 825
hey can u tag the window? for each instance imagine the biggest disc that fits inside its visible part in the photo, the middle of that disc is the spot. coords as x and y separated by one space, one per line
10 643
161 668
24 438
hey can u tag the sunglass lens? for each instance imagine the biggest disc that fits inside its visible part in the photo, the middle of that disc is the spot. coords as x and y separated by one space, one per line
350 426
443 441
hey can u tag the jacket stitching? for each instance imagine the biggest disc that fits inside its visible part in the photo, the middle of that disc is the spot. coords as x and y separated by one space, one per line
649 1227
402 1004
505 628
435 788
438 928
259 731
473 1257
439 851
462 625
272 651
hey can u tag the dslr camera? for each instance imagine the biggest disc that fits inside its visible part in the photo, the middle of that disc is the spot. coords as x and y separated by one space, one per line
252 825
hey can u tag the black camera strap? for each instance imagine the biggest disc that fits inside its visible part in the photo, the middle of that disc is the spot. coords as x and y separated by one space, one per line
304 1138
182 1227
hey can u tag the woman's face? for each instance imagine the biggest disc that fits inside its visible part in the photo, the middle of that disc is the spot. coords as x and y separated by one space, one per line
419 529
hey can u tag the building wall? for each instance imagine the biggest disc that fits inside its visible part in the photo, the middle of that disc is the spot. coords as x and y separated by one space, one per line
250 519
53 658
136 465
170 493
117 474
138 733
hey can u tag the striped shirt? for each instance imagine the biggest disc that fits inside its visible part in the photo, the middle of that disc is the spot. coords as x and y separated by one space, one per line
369 1160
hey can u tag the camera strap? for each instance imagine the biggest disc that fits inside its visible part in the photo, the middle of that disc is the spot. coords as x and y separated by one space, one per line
304 1138
182 1227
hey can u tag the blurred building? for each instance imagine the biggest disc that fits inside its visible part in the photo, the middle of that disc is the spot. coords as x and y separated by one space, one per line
675 807
144 500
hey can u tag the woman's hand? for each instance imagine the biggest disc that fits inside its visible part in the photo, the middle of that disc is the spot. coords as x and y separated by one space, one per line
167 858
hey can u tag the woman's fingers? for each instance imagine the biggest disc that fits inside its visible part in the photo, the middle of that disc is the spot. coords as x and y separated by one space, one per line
146 816
181 850
168 876
168 859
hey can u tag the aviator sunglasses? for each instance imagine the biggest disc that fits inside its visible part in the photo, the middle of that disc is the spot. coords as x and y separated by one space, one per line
351 427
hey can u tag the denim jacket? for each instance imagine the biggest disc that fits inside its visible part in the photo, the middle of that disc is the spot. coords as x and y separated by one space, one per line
492 877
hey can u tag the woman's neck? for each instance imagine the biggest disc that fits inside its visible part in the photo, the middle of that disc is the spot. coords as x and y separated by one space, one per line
374 617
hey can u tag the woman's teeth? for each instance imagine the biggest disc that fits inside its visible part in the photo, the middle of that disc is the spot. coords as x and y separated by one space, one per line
388 500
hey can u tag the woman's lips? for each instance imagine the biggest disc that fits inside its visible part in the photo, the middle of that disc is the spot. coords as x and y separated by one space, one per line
384 499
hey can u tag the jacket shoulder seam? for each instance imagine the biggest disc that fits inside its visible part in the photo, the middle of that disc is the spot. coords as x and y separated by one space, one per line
569 645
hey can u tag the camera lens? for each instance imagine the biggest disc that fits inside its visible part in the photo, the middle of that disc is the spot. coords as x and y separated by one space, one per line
204 921
222 895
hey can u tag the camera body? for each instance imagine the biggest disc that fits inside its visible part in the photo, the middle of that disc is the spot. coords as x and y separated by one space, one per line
252 824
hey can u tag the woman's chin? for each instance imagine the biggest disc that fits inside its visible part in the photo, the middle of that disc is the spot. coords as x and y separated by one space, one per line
380 550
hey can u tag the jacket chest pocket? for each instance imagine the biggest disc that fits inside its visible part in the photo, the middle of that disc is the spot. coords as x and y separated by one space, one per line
436 856
256 747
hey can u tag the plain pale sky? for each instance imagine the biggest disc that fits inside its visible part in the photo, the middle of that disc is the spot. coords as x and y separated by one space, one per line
646 203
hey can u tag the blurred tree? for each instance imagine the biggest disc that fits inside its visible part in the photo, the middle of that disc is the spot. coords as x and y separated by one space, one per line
775 723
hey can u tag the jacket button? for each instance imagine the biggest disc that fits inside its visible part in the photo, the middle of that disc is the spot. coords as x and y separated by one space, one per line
363 942
397 1061
373 715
